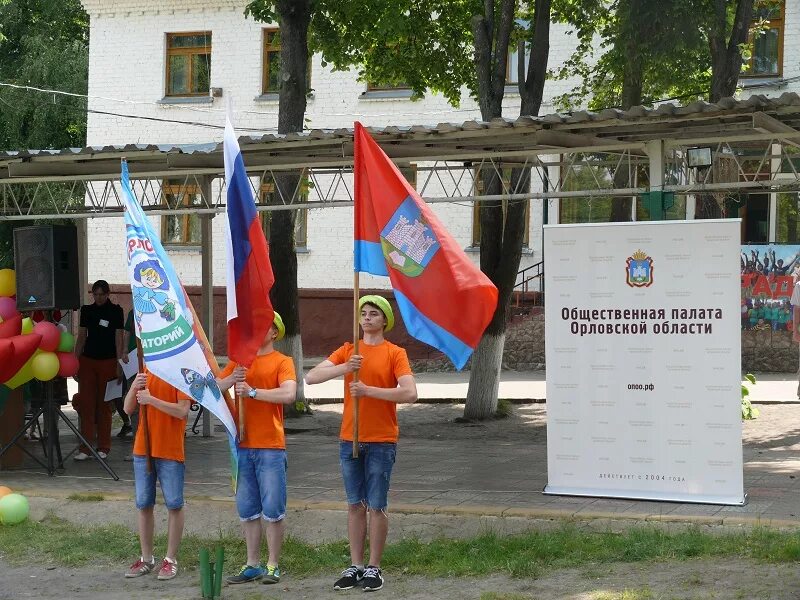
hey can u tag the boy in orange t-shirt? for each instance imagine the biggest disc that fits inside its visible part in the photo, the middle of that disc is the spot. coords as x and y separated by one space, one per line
385 380
166 423
265 387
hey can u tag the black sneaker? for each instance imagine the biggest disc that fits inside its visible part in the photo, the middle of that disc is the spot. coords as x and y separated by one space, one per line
372 580
125 431
349 579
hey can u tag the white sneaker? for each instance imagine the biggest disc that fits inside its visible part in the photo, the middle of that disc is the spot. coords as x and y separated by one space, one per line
80 456
102 455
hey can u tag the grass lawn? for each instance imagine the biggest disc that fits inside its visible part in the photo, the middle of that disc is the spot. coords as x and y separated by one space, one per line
58 542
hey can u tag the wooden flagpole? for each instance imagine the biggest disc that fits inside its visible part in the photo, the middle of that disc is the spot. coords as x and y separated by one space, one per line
240 411
355 351
143 411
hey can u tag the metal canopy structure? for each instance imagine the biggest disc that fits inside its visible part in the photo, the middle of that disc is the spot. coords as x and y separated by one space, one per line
754 144
33 183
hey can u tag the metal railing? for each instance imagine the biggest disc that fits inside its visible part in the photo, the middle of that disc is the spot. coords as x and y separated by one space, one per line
530 284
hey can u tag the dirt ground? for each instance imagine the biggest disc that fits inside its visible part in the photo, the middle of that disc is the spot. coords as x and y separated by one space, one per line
695 579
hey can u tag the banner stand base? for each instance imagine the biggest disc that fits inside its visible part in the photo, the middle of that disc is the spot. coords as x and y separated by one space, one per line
634 495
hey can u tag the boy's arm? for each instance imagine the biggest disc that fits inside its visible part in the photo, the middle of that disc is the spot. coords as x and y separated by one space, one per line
236 376
130 403
285 394
326 370
404 393
179 410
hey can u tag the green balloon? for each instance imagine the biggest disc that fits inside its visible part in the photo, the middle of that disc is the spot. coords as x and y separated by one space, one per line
14 509
66 343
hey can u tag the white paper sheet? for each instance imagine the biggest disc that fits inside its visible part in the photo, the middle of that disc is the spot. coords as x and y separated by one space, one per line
132 366
113 390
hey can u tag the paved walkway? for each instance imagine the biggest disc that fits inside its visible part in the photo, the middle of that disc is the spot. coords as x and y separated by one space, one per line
497 468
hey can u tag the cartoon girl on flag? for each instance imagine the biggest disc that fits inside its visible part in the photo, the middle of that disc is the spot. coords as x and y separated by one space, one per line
146 297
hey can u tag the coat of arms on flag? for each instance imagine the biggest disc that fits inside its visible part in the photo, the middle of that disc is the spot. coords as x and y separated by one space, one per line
639 270
407 240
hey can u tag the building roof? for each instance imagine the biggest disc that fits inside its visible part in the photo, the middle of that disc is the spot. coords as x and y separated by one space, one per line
757 118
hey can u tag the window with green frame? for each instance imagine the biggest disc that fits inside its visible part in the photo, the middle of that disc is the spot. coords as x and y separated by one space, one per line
788 218
271 61
182 229
188 64
268 196
766 40
476 209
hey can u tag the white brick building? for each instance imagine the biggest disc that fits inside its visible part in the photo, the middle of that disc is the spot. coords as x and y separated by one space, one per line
129 57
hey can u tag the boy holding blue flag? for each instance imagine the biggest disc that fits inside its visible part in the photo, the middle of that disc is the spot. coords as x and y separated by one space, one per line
161 442
385 380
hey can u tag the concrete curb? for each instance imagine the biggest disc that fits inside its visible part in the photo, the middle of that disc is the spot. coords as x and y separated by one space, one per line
422 400
532 513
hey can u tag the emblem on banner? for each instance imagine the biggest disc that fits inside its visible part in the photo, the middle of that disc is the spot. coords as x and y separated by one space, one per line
408 242
639 270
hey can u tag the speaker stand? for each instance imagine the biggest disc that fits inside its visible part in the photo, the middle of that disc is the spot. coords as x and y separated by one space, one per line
52 445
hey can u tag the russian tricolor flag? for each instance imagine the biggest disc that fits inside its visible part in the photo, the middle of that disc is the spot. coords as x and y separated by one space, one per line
248 270
445 300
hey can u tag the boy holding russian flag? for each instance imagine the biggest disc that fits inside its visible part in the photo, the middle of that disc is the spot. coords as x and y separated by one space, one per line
265 387
385 380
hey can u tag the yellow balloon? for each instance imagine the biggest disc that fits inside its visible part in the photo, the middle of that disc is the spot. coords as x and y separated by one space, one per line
8 282
24 375
27 325
45 366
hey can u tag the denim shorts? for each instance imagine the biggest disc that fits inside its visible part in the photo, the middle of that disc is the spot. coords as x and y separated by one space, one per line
261 487
366 478
169 474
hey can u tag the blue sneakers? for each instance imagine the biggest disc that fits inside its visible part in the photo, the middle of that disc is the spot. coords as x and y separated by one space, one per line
271 575
247 574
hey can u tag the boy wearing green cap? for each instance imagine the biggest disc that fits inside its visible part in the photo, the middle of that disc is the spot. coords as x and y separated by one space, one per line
384 381
266 386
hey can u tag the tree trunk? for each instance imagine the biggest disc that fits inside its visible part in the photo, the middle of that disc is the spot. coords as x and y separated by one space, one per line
294 17
726 56
502 228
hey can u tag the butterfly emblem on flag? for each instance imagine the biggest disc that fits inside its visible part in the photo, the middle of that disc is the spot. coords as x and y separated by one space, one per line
198 384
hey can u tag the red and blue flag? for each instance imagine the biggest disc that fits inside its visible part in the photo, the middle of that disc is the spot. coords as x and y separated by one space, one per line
249 272
444 298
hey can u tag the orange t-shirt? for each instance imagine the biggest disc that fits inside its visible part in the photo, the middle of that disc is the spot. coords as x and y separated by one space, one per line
166 431
382 366
264 420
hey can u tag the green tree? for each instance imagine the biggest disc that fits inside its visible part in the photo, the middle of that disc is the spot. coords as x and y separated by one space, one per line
651 49
442 46
656 49
293 16
44 44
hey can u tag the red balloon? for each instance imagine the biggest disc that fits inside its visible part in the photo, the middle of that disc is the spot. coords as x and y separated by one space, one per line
50 333
37 316
24 346
11 327
57 315
67 364
8 307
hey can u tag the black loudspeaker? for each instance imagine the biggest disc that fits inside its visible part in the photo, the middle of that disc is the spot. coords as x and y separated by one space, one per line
46 266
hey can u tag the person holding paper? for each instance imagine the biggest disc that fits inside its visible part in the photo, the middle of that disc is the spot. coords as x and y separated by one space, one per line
266 386
98 348
384 380
129 345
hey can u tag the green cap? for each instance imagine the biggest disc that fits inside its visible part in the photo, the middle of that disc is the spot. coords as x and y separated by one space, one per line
384 306
278 322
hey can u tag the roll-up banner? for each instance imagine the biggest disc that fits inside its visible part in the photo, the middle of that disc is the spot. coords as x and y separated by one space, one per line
643 336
